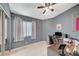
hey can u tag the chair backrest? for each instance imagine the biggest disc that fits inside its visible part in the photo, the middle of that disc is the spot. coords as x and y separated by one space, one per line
50 39
66 36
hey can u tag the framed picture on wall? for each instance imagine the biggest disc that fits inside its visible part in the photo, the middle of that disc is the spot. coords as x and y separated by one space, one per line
58 27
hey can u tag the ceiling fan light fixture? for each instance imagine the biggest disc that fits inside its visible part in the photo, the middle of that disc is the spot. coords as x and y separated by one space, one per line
46 8
50 7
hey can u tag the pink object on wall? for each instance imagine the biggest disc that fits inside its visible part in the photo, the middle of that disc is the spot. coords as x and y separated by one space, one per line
77 24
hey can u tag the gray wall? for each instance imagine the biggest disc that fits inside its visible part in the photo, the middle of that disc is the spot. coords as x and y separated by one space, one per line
39 34
44 28
66 19
5 7
47 28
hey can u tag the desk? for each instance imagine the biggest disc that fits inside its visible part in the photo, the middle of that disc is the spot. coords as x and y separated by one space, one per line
55 48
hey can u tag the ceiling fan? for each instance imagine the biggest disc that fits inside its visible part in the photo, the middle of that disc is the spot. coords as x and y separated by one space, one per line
48 6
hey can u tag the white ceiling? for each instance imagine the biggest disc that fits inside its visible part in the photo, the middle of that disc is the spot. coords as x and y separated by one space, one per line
30 9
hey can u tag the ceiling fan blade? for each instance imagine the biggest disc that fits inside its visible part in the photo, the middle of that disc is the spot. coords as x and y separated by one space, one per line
52 9
41 7
44 11
46 4
53 3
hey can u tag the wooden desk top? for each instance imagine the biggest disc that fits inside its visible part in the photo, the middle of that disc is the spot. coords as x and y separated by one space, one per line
54 47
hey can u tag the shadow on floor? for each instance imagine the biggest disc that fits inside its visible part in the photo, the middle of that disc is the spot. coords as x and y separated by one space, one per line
22 43
50 52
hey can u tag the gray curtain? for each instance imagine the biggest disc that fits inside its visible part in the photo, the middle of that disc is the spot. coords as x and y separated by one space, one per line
18 30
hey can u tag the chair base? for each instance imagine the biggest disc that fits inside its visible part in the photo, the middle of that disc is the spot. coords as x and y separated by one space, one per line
62 54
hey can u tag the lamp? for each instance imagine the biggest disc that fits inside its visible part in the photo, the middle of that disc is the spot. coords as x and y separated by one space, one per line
50 7
46 8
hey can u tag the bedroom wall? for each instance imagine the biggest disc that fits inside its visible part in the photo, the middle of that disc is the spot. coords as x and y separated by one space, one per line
66 19
27 40
5 7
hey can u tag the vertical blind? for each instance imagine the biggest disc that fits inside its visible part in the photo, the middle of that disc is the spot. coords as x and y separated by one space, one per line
18 31
29 29
24 29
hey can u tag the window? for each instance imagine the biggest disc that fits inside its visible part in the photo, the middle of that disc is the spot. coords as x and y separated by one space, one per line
29 28
24 29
